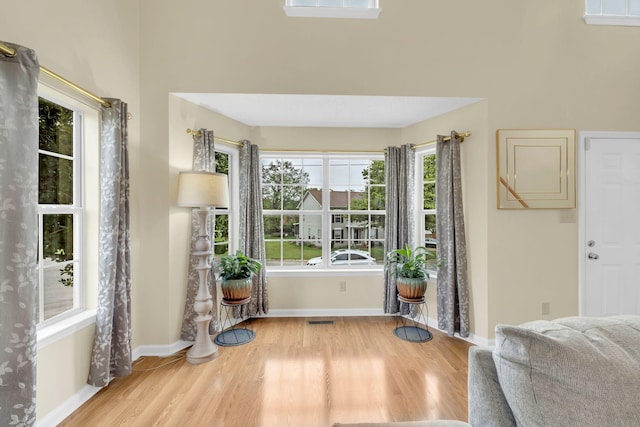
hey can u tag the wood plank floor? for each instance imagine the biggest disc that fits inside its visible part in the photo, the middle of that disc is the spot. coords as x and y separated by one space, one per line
294 374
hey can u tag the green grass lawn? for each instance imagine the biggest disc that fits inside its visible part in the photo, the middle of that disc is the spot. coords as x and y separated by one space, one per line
295 252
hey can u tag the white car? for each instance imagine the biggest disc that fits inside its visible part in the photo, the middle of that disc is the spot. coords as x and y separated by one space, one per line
346 256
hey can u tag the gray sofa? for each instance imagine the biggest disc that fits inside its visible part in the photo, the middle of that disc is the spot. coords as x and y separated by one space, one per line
575 371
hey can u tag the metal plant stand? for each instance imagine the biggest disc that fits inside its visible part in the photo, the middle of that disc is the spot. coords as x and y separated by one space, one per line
239 333
414 328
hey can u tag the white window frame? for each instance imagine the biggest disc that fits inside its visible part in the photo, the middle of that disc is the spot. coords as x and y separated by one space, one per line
86 131
320 11
232 210
603 19
326 214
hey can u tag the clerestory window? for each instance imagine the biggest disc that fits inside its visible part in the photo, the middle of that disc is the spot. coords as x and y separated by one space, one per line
359 9
612 12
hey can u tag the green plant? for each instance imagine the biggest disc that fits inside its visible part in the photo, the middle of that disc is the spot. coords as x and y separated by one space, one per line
237 266
409 263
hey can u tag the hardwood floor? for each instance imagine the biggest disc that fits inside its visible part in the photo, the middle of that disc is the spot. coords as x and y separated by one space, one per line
294 374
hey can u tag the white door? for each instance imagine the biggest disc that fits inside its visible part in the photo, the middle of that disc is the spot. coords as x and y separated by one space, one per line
611 236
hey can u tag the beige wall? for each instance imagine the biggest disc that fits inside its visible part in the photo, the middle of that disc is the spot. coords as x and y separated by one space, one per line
534 61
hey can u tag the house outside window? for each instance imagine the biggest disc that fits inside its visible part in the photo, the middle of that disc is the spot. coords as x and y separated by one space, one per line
318 207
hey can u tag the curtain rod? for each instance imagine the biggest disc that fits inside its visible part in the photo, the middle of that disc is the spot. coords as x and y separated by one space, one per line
228 141
446 139
414 146
10 52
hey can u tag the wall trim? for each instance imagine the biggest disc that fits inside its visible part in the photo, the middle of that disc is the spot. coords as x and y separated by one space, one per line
56 416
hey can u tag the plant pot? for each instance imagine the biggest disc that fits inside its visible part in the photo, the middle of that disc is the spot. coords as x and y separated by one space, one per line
411 288
236 289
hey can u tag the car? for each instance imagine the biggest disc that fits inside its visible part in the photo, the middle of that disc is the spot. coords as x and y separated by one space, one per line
346 257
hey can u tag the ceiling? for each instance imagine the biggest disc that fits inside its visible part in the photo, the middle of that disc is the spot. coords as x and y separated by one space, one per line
326 110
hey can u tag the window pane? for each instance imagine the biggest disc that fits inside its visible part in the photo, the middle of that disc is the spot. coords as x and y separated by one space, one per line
376 172
272 226
429 196
378 197
593 7
430 241
222 163
292 198
634 7
271 197
357 3
55 128
429 168
290 226
55 185
58 287
57 237
330 3
273 252
221 235
302 2
377 227
311 228
614 7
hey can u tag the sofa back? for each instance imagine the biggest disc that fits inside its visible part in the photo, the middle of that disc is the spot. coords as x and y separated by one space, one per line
574 371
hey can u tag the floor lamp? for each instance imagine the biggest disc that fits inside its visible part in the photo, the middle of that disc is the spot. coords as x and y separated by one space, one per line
203 190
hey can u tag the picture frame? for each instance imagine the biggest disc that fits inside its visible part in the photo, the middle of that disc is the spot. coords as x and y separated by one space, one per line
536 169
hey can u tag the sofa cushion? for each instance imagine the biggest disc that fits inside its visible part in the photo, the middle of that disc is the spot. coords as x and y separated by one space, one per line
574 371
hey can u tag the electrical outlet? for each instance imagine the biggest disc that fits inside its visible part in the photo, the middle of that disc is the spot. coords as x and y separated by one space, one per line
545 308
342 286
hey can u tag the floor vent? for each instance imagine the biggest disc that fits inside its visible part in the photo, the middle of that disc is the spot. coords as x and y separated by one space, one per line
320 322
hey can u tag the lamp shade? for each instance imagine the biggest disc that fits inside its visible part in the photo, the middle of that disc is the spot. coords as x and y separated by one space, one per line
201 189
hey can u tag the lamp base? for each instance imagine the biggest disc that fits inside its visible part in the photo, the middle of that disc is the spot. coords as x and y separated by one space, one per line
196 358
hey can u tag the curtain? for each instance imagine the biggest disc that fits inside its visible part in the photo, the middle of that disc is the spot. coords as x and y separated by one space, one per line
252 225
18 235
204 159
111 356
453 292
398 227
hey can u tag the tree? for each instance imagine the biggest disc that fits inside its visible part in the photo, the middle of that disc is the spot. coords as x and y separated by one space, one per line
429 179
283 187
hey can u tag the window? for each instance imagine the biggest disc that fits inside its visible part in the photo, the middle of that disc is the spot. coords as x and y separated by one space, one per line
427 170
68 201
59 210
612 12
364 9
323 211
222 215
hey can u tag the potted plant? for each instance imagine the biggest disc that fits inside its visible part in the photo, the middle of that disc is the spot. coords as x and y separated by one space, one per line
410 268
236 273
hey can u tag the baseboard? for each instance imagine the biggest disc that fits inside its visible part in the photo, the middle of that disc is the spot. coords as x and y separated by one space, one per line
56 416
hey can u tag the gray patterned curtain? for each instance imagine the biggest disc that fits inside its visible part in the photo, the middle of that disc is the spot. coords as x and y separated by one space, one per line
453 292
18 235
204 159
252 225
398 227
111 356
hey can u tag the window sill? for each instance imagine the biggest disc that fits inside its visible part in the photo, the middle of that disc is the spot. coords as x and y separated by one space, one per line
332 12
627 21
50 334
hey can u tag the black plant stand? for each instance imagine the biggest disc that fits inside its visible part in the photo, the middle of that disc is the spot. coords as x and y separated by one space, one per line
414 328
238 334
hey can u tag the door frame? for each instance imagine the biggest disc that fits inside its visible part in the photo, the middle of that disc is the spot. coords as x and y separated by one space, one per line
583 138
